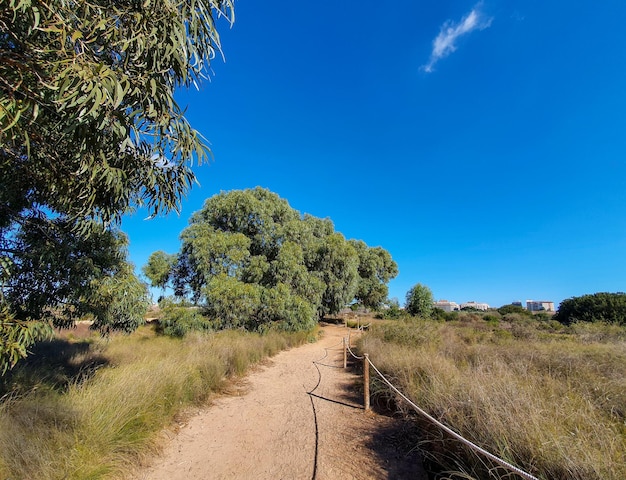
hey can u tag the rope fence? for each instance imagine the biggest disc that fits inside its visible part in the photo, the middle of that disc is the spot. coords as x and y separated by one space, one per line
366 400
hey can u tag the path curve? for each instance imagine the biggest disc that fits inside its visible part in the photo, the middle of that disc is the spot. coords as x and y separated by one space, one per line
297 419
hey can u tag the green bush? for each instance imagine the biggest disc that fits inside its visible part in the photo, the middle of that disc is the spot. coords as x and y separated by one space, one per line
394 312
505 309
492 319
180 318
599 307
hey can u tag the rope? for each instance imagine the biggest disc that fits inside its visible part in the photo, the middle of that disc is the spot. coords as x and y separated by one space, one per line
472 445
311 395
353 354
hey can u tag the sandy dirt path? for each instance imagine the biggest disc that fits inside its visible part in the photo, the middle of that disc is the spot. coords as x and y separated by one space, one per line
298 418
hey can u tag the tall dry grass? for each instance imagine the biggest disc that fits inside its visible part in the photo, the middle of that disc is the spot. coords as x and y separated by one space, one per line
103 419
548 399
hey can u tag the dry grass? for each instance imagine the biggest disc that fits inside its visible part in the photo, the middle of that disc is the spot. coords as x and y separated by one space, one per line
548 399
100 410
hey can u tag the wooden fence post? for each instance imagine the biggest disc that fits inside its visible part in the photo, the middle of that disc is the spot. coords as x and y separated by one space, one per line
345 353
366 381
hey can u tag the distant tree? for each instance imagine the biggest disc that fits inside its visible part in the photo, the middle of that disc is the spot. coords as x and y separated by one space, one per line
253 261
160 268
511 308
597 307
392 310
419 301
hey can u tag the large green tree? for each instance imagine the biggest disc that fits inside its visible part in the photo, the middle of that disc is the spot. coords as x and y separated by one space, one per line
90 129
419 301
376 268
159 269
597 307
88 121
57 275
254 261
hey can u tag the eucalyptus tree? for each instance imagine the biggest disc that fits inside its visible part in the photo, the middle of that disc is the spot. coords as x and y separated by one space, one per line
89 127
58 275
88 121
159 269
335 263
376 268
253 261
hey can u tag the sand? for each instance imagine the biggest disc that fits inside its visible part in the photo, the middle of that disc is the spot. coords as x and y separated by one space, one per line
300 416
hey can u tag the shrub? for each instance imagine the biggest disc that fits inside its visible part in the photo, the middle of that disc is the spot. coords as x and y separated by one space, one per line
553 404
599 307
503 310
180 318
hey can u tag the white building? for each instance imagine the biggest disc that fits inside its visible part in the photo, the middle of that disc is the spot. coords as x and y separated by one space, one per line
539 306
477 306
447 306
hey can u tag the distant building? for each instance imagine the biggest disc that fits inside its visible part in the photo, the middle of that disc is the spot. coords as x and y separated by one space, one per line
447 306
517 303
473 304
539 306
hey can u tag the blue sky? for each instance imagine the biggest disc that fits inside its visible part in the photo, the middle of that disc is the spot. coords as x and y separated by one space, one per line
481 144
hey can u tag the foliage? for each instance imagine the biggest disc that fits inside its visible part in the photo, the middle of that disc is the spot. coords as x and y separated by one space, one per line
58 275
597 307
419 301
159 268
449 370
16 337
503 310
61 275
255 262
442 315
178 318
376 268
393 310
89 129
335 263
88 120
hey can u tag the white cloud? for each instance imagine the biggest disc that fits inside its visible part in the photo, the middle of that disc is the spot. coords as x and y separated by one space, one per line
444 44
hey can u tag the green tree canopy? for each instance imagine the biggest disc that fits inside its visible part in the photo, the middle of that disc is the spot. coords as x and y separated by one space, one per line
159 269
88 122
62 276
597 307
253 261
419 301
89 129
57 275
376 268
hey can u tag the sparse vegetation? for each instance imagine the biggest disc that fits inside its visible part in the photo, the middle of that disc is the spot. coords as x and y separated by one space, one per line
93 408
549 398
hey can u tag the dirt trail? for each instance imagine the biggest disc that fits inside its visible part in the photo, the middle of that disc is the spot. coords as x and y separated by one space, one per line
297 419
